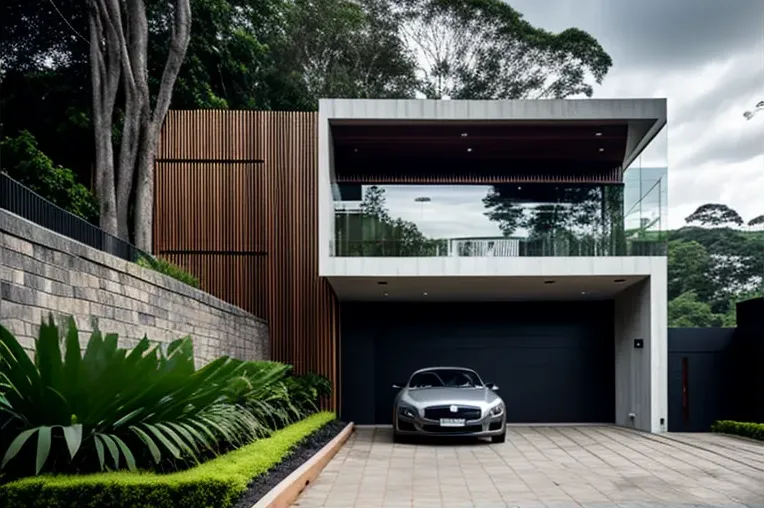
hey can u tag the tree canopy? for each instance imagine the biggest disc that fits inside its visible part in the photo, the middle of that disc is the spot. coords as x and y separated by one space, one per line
719 264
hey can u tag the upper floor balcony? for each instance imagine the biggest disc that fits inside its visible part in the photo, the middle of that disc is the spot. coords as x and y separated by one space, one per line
480 180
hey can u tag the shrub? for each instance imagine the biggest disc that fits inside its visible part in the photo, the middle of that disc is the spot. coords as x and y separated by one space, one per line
113 408
219 482
307 390
746 429
163 266
27 164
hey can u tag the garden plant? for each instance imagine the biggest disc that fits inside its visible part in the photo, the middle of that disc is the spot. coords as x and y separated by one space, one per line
147 408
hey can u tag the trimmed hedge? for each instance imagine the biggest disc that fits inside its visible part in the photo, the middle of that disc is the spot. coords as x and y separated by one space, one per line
745 429
217 483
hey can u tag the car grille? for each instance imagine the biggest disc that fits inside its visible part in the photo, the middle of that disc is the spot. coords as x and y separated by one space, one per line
438 412
468 429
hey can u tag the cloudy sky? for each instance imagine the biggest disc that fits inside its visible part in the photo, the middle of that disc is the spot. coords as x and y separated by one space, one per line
707 58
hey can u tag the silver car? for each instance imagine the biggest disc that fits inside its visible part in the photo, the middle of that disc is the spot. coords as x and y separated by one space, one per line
450 401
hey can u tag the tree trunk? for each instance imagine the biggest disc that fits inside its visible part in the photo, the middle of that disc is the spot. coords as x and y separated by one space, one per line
119 50
151 125
105 73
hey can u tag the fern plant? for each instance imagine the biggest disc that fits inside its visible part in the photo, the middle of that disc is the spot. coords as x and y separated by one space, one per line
113 408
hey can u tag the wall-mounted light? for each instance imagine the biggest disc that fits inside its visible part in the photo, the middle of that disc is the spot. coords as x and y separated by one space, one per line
464 134
598 134
425 294
469 149
602 149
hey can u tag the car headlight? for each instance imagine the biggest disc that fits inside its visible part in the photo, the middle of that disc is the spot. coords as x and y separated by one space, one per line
407 412
497 410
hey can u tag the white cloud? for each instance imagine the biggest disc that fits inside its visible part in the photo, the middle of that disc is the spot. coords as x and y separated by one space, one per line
706 57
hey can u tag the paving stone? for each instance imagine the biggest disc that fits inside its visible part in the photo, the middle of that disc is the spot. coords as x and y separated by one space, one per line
587 466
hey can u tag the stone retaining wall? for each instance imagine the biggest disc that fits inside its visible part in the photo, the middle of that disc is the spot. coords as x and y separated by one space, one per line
42 272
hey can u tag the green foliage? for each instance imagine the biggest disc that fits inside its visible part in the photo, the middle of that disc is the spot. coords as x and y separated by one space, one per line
114 408
218 482
688 261
720 265
163 266
686 311
27 164
374 233
484 49
745 429
714 214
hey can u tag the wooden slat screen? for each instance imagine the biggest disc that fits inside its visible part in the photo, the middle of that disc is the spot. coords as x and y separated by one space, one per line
236 204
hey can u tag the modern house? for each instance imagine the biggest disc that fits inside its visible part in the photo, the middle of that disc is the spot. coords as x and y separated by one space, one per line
524 239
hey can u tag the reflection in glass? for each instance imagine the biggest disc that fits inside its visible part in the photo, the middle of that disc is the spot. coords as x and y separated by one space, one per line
501 220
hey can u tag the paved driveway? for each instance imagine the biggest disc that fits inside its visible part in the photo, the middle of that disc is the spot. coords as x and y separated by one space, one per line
543 466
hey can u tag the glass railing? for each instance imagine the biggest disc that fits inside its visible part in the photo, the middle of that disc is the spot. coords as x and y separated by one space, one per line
498 220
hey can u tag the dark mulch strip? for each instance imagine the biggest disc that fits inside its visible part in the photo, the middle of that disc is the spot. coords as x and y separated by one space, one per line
308 447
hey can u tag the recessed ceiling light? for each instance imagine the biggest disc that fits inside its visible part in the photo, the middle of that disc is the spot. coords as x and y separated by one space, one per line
598 134
619 280
382 283
425 294
469 149
549 281
602 149
385 293
464 134
583 292
519 187
355 150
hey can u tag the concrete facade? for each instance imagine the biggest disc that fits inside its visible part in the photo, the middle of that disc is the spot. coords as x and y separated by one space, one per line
641 389
42 272
646 117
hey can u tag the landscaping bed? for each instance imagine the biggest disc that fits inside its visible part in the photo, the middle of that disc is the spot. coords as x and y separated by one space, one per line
217 483
745 429
309 446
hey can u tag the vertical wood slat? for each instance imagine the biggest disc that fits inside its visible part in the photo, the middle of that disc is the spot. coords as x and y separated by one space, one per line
236 204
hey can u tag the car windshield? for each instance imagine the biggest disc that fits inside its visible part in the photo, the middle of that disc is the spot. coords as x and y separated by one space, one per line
445 378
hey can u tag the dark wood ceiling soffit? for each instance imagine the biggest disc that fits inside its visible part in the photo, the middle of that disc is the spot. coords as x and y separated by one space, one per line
492 150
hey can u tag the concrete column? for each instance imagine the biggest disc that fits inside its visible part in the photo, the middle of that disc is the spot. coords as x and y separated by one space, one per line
641 373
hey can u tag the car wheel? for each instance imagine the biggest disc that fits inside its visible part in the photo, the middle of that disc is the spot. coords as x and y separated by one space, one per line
500 438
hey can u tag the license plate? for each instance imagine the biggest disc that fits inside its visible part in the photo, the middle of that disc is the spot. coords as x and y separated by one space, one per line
452 422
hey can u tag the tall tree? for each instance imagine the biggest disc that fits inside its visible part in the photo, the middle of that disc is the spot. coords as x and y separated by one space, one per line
714 215
339 48
688 266
484 49
119 34
757 221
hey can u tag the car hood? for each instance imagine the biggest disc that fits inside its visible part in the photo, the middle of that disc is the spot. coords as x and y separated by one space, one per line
432 396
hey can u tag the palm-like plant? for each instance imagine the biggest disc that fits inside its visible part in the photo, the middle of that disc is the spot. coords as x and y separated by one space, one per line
110 407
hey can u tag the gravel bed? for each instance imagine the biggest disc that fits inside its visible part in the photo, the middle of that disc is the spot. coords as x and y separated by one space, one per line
308 447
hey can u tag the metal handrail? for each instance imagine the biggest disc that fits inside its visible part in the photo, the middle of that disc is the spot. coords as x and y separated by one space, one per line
24 202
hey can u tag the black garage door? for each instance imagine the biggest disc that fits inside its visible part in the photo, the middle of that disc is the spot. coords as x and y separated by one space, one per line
553 362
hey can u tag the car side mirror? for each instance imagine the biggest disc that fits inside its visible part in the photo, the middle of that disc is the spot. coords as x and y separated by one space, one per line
492 386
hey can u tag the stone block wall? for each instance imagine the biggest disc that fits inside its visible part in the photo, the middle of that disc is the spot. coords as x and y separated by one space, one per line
42 272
